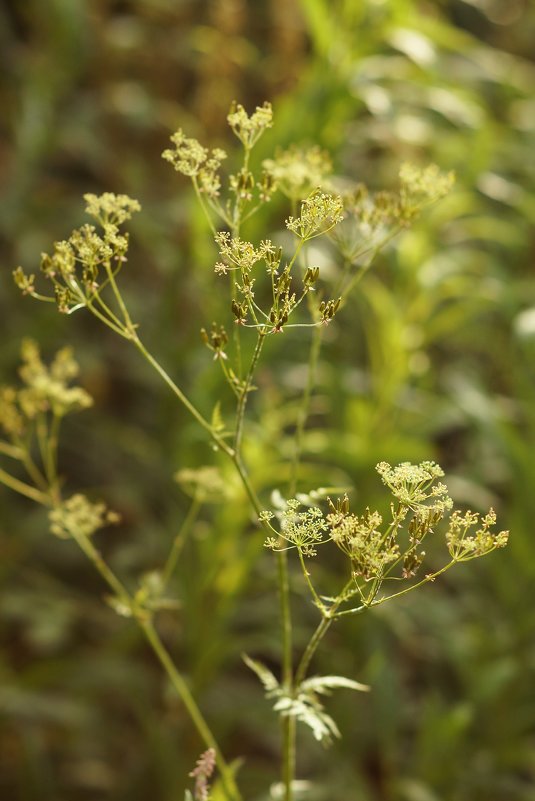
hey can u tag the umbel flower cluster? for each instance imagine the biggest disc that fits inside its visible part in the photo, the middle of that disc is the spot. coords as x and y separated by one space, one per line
267 287
85 266
30 419
381 549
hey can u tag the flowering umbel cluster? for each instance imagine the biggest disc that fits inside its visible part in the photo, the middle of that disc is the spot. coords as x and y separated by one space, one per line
371 219
381 549
30 417
45 390
81 267
298 172
78 516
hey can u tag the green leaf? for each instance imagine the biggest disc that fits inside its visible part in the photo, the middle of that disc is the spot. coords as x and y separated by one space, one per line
264 674
307 710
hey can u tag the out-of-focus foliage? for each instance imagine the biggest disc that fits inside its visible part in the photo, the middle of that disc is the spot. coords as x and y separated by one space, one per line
433 359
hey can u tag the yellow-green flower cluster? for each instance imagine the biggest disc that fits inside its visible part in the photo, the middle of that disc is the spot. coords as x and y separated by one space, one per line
249 128
46 390
303 530
414 486
379 549
80 266
362 540
77 516
320 212
109 208
206 484
424 185
298 172
465 544
239 253
190 158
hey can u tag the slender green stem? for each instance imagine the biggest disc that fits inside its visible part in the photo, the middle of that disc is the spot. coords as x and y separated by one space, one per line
41 428
97 297
119 298
228 378
182 689
180 540
24 489
287 722
182 398
14 451
306 574
95 557
122 333
31 468
284 587
203 205
429 577
242 402
51 456
230 452
304 408
321 630
229 785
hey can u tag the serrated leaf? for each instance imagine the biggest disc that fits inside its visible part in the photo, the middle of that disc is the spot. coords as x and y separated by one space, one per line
264 674
309 712
322 684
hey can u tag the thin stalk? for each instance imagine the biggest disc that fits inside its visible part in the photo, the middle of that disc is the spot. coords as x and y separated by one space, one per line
430 577
100 565
14 451
202 205
33 471
306 574
287 722
304 408
119 298
230 452
321 630
176 679
182 398
122 333
51 455
242 402
24 489
229 785
230 382
98 298
180 540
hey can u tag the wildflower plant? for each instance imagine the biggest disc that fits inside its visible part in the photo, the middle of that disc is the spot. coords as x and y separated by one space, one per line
271 289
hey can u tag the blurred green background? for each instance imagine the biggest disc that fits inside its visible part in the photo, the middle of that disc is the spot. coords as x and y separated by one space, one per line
433 358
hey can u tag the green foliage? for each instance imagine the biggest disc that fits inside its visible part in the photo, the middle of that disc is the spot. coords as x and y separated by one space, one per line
303 702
